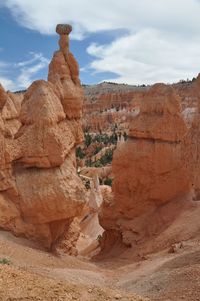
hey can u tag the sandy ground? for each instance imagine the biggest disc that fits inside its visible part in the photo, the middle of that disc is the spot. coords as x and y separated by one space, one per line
165 276
36 275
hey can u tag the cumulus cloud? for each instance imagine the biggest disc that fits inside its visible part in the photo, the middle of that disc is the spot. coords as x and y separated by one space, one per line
92 16
146 57
161 44
26 71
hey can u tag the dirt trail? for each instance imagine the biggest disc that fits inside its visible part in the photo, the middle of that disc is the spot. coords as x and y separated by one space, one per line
163 276
36 275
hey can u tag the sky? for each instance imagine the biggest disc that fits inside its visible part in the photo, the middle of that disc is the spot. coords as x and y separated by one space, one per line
130 41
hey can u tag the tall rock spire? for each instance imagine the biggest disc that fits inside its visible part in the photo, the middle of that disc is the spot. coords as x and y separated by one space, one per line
64 73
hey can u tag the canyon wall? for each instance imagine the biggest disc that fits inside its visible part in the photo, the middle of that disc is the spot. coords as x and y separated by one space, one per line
109 104
190 95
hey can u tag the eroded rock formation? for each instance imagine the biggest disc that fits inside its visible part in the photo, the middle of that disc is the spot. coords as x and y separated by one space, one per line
107 104
64 74
149 171
191 113
40 192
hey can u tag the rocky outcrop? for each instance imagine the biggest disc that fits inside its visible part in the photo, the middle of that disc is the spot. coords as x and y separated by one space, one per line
149 171
189 93
40 191
102 172
191 114
10 106
89 241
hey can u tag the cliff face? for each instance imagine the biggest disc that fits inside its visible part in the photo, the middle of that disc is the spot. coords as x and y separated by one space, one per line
189 93
149 170
191 113
40 192
102 109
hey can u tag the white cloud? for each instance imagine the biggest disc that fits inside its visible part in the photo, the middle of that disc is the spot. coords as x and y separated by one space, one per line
29 70
147 57
161 44
7 83
35 57
26 70
91 16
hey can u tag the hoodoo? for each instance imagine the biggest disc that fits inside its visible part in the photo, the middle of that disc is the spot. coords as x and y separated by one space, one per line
40 192
64 74
151 182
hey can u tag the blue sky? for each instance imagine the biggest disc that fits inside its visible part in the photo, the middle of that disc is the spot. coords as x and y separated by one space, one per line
133 41
19 45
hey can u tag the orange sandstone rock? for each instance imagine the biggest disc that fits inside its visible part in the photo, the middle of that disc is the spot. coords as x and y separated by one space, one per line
64 74
40 191
149 169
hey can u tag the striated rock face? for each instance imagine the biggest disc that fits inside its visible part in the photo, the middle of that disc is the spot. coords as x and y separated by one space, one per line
189 93
40 192
149 169
101 111
159 117
191 115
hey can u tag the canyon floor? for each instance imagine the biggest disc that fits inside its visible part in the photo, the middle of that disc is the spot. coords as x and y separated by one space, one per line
33 274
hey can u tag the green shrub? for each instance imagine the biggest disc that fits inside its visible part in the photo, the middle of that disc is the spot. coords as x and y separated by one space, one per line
107 157
88 139
98 148
108 182
99 237
80 153
88 163
4 261
97 164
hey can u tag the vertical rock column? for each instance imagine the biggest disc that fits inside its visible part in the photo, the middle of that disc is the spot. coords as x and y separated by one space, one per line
64 74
